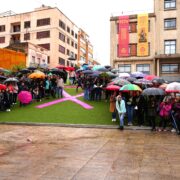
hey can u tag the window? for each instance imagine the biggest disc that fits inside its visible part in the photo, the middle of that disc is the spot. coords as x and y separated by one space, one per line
76 35
124 68
170 23
72 32
170 46
117 28
76 45
68 40
133 27
133 49
169 68
61 61
144 68
43 22
67 52
72 43
33 59
16 28
43 34
2 40
62 24
169 4
68 29
27 24
61 49
48 60
2 28
46 46
62 37
27 36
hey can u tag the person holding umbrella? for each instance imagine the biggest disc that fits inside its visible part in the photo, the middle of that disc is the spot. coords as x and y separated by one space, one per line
152 112
121 109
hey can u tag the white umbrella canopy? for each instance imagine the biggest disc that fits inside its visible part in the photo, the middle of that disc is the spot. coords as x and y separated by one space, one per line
124 75
173 87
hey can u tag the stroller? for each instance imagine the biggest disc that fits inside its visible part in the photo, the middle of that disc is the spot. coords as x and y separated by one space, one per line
176 123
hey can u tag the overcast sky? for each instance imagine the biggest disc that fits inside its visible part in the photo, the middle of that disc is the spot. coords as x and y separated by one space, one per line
91 15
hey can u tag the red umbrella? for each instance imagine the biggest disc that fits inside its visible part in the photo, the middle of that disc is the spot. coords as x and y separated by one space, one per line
112 88
69 68
25 97
150 77
2 87
60 66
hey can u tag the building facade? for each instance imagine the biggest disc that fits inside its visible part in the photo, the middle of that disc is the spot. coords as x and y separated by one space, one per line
167 51
85 50
163 58
46 27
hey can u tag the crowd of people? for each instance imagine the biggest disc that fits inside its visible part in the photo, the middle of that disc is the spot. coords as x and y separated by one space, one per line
156 111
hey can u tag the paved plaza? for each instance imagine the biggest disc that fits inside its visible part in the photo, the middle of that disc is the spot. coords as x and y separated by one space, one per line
55 153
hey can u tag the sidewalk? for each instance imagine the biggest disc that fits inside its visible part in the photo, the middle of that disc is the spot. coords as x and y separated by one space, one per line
78 125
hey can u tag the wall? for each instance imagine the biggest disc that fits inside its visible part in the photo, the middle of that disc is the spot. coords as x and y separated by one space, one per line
9 58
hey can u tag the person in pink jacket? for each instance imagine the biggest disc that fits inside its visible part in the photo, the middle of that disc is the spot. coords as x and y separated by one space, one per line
165 109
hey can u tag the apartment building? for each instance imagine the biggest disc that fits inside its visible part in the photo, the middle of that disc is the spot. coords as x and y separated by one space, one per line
85 50
45 26
167 50
163 58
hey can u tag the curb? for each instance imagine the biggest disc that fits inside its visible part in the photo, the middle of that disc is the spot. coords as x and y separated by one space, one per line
76 125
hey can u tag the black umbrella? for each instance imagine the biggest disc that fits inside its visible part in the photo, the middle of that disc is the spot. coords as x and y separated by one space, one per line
32 68
158 80
3 77
131 79
57 71
87 72
24 71
153 92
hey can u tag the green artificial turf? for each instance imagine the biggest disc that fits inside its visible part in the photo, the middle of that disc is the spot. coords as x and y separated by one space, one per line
64 112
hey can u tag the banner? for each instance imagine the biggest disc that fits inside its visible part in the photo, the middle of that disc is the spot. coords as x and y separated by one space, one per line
142 46
123 50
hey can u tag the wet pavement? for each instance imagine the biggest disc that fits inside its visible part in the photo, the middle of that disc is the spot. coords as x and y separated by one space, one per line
55 153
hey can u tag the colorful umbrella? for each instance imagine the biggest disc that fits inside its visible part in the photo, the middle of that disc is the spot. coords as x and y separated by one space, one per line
173 87
153 92
150 77
112 88
120 82
68 68
37 75
130 87
5 71
138 75
25 97
2 87
143 82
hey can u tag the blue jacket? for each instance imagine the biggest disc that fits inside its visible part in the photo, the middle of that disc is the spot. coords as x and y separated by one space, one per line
120 106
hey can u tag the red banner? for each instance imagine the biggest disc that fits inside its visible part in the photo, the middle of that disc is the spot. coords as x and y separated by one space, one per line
123 50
